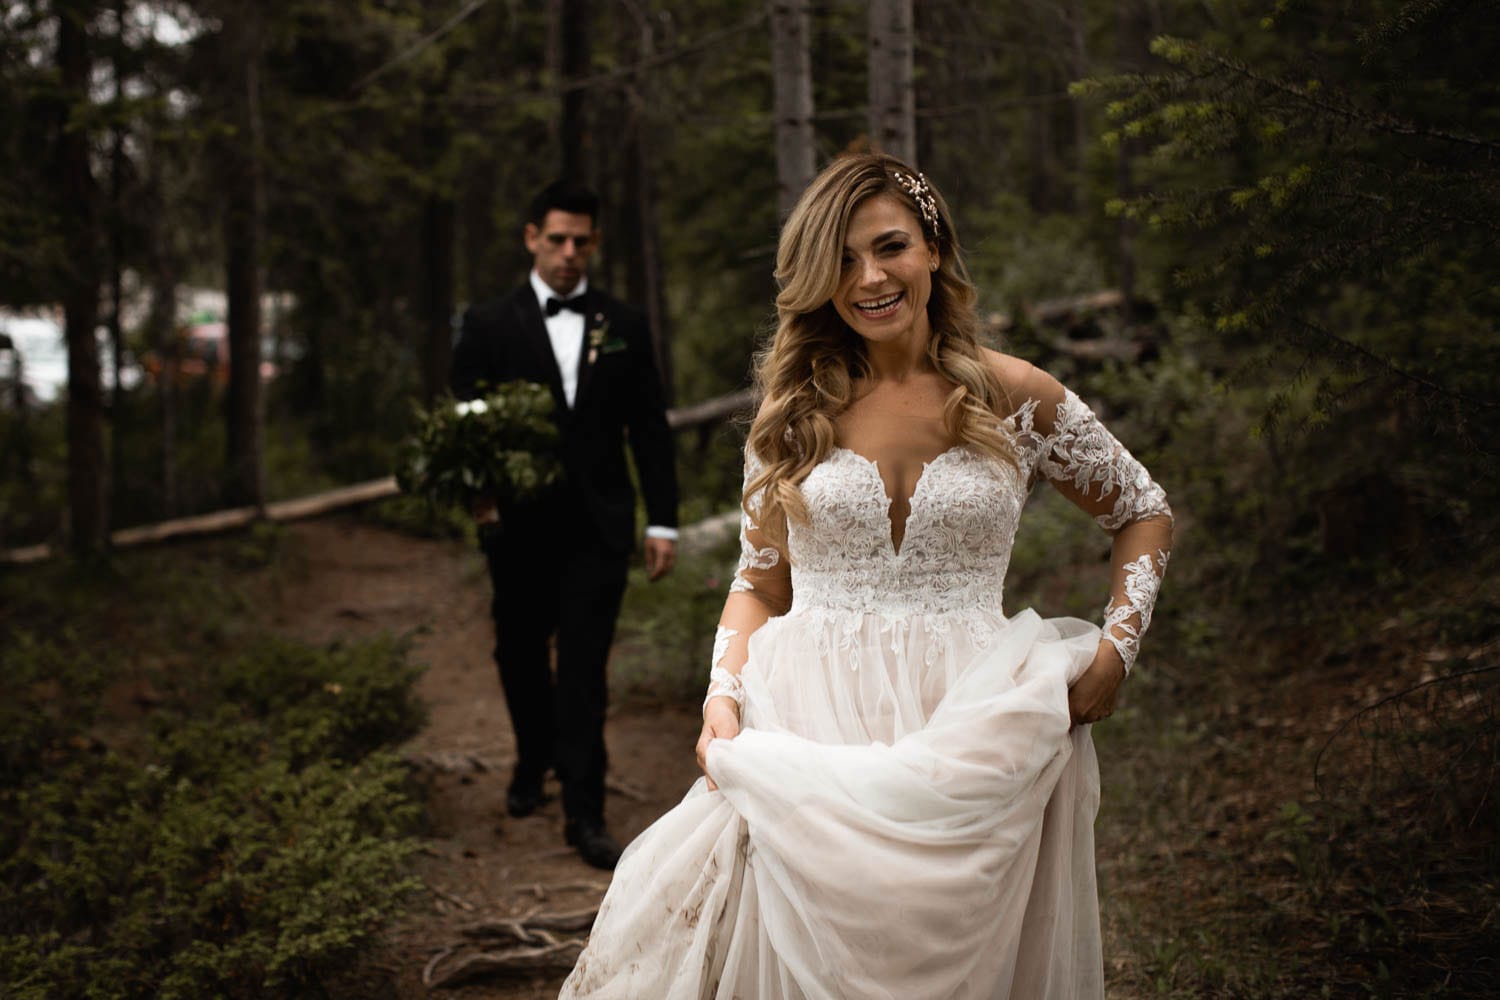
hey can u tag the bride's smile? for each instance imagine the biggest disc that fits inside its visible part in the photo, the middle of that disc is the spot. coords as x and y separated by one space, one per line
885 280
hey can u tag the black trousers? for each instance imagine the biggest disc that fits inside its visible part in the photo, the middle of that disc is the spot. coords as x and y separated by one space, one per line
548 587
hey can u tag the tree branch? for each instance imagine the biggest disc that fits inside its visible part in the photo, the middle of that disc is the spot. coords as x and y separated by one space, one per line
1387 122
1374 360
420 44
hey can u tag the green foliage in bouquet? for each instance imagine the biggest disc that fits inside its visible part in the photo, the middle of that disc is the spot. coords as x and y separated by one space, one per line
503 445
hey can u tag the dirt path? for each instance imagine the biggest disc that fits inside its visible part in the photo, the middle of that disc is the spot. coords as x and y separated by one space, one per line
351 580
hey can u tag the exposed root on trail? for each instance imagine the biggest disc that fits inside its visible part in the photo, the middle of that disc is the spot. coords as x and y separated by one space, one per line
513 946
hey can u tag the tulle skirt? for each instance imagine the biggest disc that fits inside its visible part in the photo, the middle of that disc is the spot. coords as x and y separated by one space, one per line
905 814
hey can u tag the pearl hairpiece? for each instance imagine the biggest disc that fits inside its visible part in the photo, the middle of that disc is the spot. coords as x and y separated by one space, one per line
922 195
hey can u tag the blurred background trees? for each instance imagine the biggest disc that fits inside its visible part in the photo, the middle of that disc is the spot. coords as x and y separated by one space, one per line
1258 235
1299 197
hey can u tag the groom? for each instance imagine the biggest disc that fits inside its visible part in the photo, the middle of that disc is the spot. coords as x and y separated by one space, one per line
558 565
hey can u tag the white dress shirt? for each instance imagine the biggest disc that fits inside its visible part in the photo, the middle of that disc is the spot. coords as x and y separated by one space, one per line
565 330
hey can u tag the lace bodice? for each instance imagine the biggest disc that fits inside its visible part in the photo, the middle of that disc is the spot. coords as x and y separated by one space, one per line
954 552
957 538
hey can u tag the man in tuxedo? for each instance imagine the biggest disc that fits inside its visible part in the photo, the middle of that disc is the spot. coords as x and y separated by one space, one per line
558 565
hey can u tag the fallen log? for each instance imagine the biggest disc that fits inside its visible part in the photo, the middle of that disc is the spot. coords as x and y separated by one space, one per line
709 532
1103 349
299 508
1050 311
710 410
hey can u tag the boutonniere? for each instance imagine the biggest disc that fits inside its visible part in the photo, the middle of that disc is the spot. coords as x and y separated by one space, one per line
600 341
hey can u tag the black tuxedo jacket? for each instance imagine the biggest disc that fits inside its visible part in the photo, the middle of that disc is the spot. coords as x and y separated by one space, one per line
618 400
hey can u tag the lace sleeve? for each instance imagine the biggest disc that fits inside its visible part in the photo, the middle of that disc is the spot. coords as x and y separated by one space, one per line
721 680
762 573
1077 454
1063 442
762 588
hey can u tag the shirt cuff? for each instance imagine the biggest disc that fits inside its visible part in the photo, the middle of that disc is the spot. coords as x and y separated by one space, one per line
657 531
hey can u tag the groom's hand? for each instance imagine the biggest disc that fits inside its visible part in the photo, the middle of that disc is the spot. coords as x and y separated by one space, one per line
661 556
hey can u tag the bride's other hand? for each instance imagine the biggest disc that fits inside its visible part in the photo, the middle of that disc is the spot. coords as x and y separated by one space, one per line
1092 696
721 721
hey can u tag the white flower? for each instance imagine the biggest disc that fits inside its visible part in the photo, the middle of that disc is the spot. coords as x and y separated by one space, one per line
462 409
478 406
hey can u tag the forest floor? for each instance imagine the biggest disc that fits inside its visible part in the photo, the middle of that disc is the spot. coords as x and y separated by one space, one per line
351 580
1214 880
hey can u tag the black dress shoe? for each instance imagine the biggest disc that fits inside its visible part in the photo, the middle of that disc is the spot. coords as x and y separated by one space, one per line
594 844
524 797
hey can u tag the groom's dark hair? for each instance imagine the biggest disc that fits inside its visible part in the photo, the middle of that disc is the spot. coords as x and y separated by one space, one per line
561 196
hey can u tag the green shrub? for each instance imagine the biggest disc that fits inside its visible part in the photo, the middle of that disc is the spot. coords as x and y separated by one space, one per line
48 699
343 701
249 849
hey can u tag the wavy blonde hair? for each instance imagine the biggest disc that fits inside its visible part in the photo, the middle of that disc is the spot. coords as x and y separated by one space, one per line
806 374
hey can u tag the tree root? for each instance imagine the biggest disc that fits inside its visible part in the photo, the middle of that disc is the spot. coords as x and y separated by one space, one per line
529 943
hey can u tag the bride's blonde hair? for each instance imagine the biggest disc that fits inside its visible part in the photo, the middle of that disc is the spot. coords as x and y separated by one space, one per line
806 374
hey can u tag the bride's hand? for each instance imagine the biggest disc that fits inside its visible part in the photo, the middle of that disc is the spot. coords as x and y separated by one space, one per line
1092 696
721 721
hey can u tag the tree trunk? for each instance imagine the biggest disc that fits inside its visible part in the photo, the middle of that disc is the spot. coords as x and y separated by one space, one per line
1078 30
118 417
1131 55
623 214
243 199
87 475
18 448
791 77
1039 84
647 285
161 263
439 237
162 328
439 221
893 104
478 234
577 60
655 298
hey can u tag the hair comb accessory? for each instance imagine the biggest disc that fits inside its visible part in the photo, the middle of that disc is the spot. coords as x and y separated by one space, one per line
922 195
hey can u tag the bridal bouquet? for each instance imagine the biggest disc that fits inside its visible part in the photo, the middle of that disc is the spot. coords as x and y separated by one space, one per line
502 445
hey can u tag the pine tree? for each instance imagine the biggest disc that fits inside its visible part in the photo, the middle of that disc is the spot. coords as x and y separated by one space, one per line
1326 189
1350 212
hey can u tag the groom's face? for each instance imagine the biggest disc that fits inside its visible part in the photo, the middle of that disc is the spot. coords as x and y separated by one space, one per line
560 248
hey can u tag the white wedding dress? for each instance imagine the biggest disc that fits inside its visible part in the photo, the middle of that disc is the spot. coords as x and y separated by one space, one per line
906 813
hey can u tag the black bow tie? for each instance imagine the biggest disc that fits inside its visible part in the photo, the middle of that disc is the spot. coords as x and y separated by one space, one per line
555 306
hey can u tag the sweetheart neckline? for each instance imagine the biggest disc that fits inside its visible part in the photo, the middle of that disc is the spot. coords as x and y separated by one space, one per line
898 551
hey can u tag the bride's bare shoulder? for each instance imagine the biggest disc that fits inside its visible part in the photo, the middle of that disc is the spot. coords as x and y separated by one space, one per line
1011 371
1016 376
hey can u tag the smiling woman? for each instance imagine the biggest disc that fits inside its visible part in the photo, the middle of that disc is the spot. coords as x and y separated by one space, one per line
899 779
887 275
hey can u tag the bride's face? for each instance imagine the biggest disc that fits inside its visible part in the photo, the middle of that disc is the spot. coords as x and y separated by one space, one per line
886 278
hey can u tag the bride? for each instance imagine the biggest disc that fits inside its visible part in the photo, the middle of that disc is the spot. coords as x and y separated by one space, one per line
900 787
